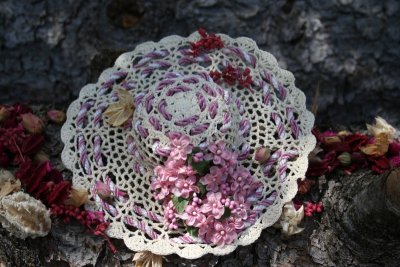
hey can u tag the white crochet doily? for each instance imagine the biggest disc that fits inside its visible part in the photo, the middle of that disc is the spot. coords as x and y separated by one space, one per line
172 91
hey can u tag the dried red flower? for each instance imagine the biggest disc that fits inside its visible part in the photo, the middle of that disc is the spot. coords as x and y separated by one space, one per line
380 164
394 149
14 113
40 179
4 158
305 185
354 142
43 182
207 43
395 162
319 168
32 144
231 76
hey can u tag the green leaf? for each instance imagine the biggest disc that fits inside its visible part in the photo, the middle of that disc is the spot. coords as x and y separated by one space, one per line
196 149
189 159
179 203
227 213
193 231
202 188
202 167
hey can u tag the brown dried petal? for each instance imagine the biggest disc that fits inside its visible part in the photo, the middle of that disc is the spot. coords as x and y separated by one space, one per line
118 113
379 148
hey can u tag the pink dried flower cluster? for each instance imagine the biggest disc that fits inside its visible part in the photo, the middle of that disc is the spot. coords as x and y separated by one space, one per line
206 191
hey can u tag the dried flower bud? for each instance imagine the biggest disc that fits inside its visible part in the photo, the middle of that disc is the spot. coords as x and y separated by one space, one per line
4 113
8 183
103 191
146 258
343 134
290 218
331 140
32 123
56 116
77 197
345 158
381 126
41 157
262 154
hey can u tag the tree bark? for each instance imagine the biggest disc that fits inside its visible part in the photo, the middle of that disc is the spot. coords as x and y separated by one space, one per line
371 222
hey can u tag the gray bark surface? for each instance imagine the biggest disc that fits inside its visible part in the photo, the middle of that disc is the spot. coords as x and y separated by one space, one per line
350 49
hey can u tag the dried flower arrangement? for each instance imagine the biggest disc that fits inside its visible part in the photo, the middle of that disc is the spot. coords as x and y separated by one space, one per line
211 177
46 192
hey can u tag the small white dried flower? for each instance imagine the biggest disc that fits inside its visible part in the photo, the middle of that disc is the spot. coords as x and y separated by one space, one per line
147 259
290 218
381 126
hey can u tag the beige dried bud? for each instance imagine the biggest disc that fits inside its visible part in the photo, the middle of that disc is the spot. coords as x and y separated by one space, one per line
147 259
8 183
290 218
331 140
4 113
381 126
56 116
77 197
262 154
343 134
41 157
345 159
24 216
32 123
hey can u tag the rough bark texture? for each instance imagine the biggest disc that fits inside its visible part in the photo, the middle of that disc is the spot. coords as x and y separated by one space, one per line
350 49
361 207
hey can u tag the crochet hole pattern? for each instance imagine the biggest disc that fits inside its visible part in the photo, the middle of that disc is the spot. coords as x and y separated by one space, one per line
173 91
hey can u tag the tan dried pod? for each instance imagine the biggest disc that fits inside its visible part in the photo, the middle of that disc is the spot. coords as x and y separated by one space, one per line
24 216
8 183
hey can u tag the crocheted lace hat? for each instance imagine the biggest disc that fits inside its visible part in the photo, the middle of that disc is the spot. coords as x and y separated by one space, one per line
181 171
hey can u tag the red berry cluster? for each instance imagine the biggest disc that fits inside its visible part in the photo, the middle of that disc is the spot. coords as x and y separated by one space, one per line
231 75
310 208
207 43
93 221
68 211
